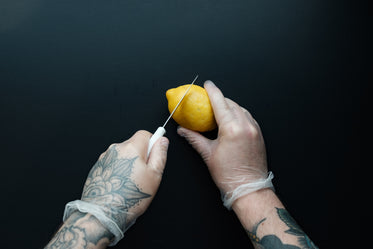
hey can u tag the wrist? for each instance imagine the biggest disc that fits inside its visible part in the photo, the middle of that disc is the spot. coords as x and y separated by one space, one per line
98 213
246 188
81 230
91 224
254 206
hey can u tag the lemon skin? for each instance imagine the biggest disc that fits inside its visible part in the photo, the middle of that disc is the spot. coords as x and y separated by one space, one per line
195 111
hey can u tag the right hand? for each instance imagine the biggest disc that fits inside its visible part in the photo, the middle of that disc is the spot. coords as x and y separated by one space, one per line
124 180
237 156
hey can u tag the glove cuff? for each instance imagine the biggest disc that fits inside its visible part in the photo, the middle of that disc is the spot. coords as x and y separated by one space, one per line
96 211
244 189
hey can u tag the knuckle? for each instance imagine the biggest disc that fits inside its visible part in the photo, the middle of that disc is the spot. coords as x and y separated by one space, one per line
255 122
128 147
232 129
252 131
238 131
111 146
101 155
143 133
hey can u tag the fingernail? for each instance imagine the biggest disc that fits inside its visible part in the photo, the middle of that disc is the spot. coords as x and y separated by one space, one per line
209 82
165 143
180 131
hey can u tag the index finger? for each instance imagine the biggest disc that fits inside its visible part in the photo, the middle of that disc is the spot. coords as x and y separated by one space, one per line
219 105
140 141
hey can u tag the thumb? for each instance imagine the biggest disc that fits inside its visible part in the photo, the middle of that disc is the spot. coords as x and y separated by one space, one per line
158 155
201 144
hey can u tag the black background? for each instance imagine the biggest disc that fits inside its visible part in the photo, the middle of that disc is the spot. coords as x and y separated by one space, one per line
76 76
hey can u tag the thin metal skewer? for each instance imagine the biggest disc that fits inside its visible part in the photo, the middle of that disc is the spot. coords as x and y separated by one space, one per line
172 113
161 130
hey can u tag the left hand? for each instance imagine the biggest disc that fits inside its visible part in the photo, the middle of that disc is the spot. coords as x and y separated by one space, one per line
124 181
237 156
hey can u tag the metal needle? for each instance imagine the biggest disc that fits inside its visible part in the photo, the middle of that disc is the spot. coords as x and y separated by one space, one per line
172 113
161 130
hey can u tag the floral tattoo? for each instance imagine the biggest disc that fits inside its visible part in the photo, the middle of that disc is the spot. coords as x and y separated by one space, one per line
109 185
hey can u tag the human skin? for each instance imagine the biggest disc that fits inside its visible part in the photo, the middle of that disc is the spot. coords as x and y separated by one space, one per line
238 156
123 182
125 179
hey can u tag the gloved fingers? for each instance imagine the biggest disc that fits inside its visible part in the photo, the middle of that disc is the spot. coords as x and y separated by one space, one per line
240 110
231 103
218 103
237 111
140 141
250 117
158 155
247 115
200 143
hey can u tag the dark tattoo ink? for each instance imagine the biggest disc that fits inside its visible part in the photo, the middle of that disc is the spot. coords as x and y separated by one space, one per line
96 235
272 241
69 237
109 185
74 233
294 229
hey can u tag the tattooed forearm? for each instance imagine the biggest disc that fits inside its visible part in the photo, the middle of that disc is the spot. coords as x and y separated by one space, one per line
80 231
272 241
110 187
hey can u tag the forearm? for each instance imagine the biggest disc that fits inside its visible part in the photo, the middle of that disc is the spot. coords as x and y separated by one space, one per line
81 231
267 223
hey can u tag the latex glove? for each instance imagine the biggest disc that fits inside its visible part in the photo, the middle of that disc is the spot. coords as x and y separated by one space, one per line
123 182
236 159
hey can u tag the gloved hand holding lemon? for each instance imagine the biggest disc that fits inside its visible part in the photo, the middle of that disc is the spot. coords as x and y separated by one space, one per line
195 111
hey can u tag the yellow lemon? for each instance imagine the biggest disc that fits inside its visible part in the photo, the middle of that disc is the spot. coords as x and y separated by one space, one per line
195 111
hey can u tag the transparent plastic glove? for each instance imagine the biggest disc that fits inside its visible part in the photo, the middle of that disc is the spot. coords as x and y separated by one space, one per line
123 182
236 159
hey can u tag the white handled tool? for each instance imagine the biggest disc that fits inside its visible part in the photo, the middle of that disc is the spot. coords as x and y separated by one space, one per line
161 130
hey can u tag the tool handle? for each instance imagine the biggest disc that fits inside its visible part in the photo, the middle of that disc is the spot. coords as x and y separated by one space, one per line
157 134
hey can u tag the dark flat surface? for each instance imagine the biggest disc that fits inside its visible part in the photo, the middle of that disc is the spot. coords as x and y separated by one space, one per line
76 76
